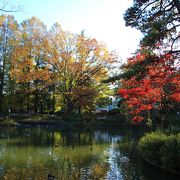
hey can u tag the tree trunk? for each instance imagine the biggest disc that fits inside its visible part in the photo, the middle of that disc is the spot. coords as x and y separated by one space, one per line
79 109
1 86
68 105
53 108
69 108
36 101
1 101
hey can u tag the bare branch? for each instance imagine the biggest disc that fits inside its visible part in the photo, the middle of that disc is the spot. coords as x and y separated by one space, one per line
174 40
4 8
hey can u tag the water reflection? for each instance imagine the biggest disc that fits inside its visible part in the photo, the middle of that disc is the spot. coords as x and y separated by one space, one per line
114 171
33 153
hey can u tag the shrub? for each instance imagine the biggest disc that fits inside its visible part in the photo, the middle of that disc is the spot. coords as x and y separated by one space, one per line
162 149
168 152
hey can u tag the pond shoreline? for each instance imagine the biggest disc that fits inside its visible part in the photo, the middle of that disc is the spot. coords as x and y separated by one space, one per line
62 122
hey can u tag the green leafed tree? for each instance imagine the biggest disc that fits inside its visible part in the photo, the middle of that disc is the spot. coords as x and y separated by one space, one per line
8 27
159 21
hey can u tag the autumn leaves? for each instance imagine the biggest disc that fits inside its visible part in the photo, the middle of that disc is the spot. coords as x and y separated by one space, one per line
156 88
53 64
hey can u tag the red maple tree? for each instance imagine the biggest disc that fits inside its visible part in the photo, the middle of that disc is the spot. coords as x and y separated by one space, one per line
152 86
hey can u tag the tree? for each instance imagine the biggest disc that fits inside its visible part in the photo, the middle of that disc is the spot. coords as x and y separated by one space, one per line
29 69
39 67
150 79
150 86
158 20
79 64
8 27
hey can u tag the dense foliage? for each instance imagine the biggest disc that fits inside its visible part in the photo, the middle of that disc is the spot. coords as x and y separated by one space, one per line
152 86
46 70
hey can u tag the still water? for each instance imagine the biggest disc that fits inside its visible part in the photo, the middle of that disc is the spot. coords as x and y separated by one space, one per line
34 153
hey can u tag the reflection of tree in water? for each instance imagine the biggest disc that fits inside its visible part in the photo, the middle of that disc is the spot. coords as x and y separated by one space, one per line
129 170
112 152
22 160
63 169
67 171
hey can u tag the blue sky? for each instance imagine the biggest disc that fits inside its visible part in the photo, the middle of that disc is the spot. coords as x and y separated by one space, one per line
101 19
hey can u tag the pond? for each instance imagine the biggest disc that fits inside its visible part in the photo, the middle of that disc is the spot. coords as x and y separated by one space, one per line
35 153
